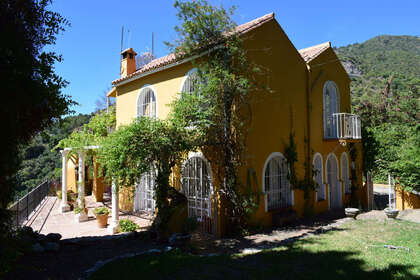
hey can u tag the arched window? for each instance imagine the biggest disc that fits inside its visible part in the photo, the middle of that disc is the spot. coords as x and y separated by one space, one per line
318 171
146 103
275 183
345 173
190 82
331 106
196 184
144 194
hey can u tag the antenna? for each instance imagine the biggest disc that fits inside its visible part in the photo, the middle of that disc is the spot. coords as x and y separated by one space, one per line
153 44
122 40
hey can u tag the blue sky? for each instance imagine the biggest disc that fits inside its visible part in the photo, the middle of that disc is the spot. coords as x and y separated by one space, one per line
91 46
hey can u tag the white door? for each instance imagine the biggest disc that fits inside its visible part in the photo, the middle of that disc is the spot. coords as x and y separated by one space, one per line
334 187
144 193
196 185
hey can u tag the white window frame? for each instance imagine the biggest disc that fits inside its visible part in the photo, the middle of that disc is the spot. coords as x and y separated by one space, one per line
208 209
345 179
140 95
329 114
319 195
329 183
290 190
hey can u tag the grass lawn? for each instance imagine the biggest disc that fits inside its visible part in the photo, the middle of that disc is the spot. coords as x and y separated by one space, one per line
355 251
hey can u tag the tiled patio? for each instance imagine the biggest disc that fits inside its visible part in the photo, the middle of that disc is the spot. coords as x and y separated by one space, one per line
48 219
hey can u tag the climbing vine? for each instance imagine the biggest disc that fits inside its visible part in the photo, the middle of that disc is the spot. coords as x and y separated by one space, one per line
307 185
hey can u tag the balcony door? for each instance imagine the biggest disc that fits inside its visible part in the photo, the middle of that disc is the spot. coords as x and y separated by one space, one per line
334 187
331 106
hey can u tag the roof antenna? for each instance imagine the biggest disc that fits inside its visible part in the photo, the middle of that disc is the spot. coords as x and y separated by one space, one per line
122 41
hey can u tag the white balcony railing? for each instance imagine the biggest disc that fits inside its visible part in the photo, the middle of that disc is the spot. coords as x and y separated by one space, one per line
346 126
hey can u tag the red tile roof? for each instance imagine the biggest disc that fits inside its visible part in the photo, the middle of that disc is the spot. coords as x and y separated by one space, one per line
307 54
310 53
170 58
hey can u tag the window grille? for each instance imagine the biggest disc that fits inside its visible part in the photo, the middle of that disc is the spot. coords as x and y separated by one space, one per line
277 186
320 191
196 185
144 198
146 103
190 83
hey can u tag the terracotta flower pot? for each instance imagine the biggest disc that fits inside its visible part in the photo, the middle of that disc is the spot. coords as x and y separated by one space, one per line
102 220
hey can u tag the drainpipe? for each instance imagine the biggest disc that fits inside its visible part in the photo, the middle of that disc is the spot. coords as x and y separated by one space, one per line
308 119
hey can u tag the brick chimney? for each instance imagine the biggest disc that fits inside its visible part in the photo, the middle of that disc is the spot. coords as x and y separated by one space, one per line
128 62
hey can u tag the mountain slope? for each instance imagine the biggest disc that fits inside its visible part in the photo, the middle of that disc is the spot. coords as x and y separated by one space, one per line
386 95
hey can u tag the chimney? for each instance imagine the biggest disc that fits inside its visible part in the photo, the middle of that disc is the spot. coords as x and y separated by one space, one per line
128 62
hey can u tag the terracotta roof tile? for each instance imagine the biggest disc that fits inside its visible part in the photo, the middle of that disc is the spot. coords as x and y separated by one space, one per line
170 58
310 53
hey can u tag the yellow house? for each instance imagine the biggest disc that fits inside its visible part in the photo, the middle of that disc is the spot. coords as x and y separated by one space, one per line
310 98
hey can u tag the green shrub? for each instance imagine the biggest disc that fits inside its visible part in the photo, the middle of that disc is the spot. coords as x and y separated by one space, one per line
100 210
78 210
126 225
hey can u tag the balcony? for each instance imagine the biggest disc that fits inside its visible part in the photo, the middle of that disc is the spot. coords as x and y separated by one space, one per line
343 126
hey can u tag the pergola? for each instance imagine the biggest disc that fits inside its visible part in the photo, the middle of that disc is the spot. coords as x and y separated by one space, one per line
65 207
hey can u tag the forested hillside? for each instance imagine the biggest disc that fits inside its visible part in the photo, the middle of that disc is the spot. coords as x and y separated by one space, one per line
386 95
39 160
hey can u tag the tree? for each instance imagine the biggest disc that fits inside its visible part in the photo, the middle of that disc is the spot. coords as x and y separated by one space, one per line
219 106
32 92
147 143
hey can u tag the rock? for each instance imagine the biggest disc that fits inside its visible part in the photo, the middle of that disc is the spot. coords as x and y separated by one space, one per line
51 247
37 248
53 237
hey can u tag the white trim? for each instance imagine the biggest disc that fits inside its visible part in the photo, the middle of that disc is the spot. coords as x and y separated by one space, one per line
270 157
322 176
329 184
139 94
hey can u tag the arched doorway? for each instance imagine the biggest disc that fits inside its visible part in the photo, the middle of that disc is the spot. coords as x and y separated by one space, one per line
196 184
333 183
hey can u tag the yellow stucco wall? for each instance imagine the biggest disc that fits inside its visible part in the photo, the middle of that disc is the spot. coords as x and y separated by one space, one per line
406 200
71 174
275 114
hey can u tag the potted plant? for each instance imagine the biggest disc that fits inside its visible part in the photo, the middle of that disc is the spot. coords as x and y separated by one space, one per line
101 214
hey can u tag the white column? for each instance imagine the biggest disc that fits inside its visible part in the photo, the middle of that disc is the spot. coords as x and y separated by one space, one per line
82 216
113 227
64 207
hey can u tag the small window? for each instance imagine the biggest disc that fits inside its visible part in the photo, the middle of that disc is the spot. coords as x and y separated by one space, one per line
345 173
190 82
331 106
146 103
276 183
317 167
